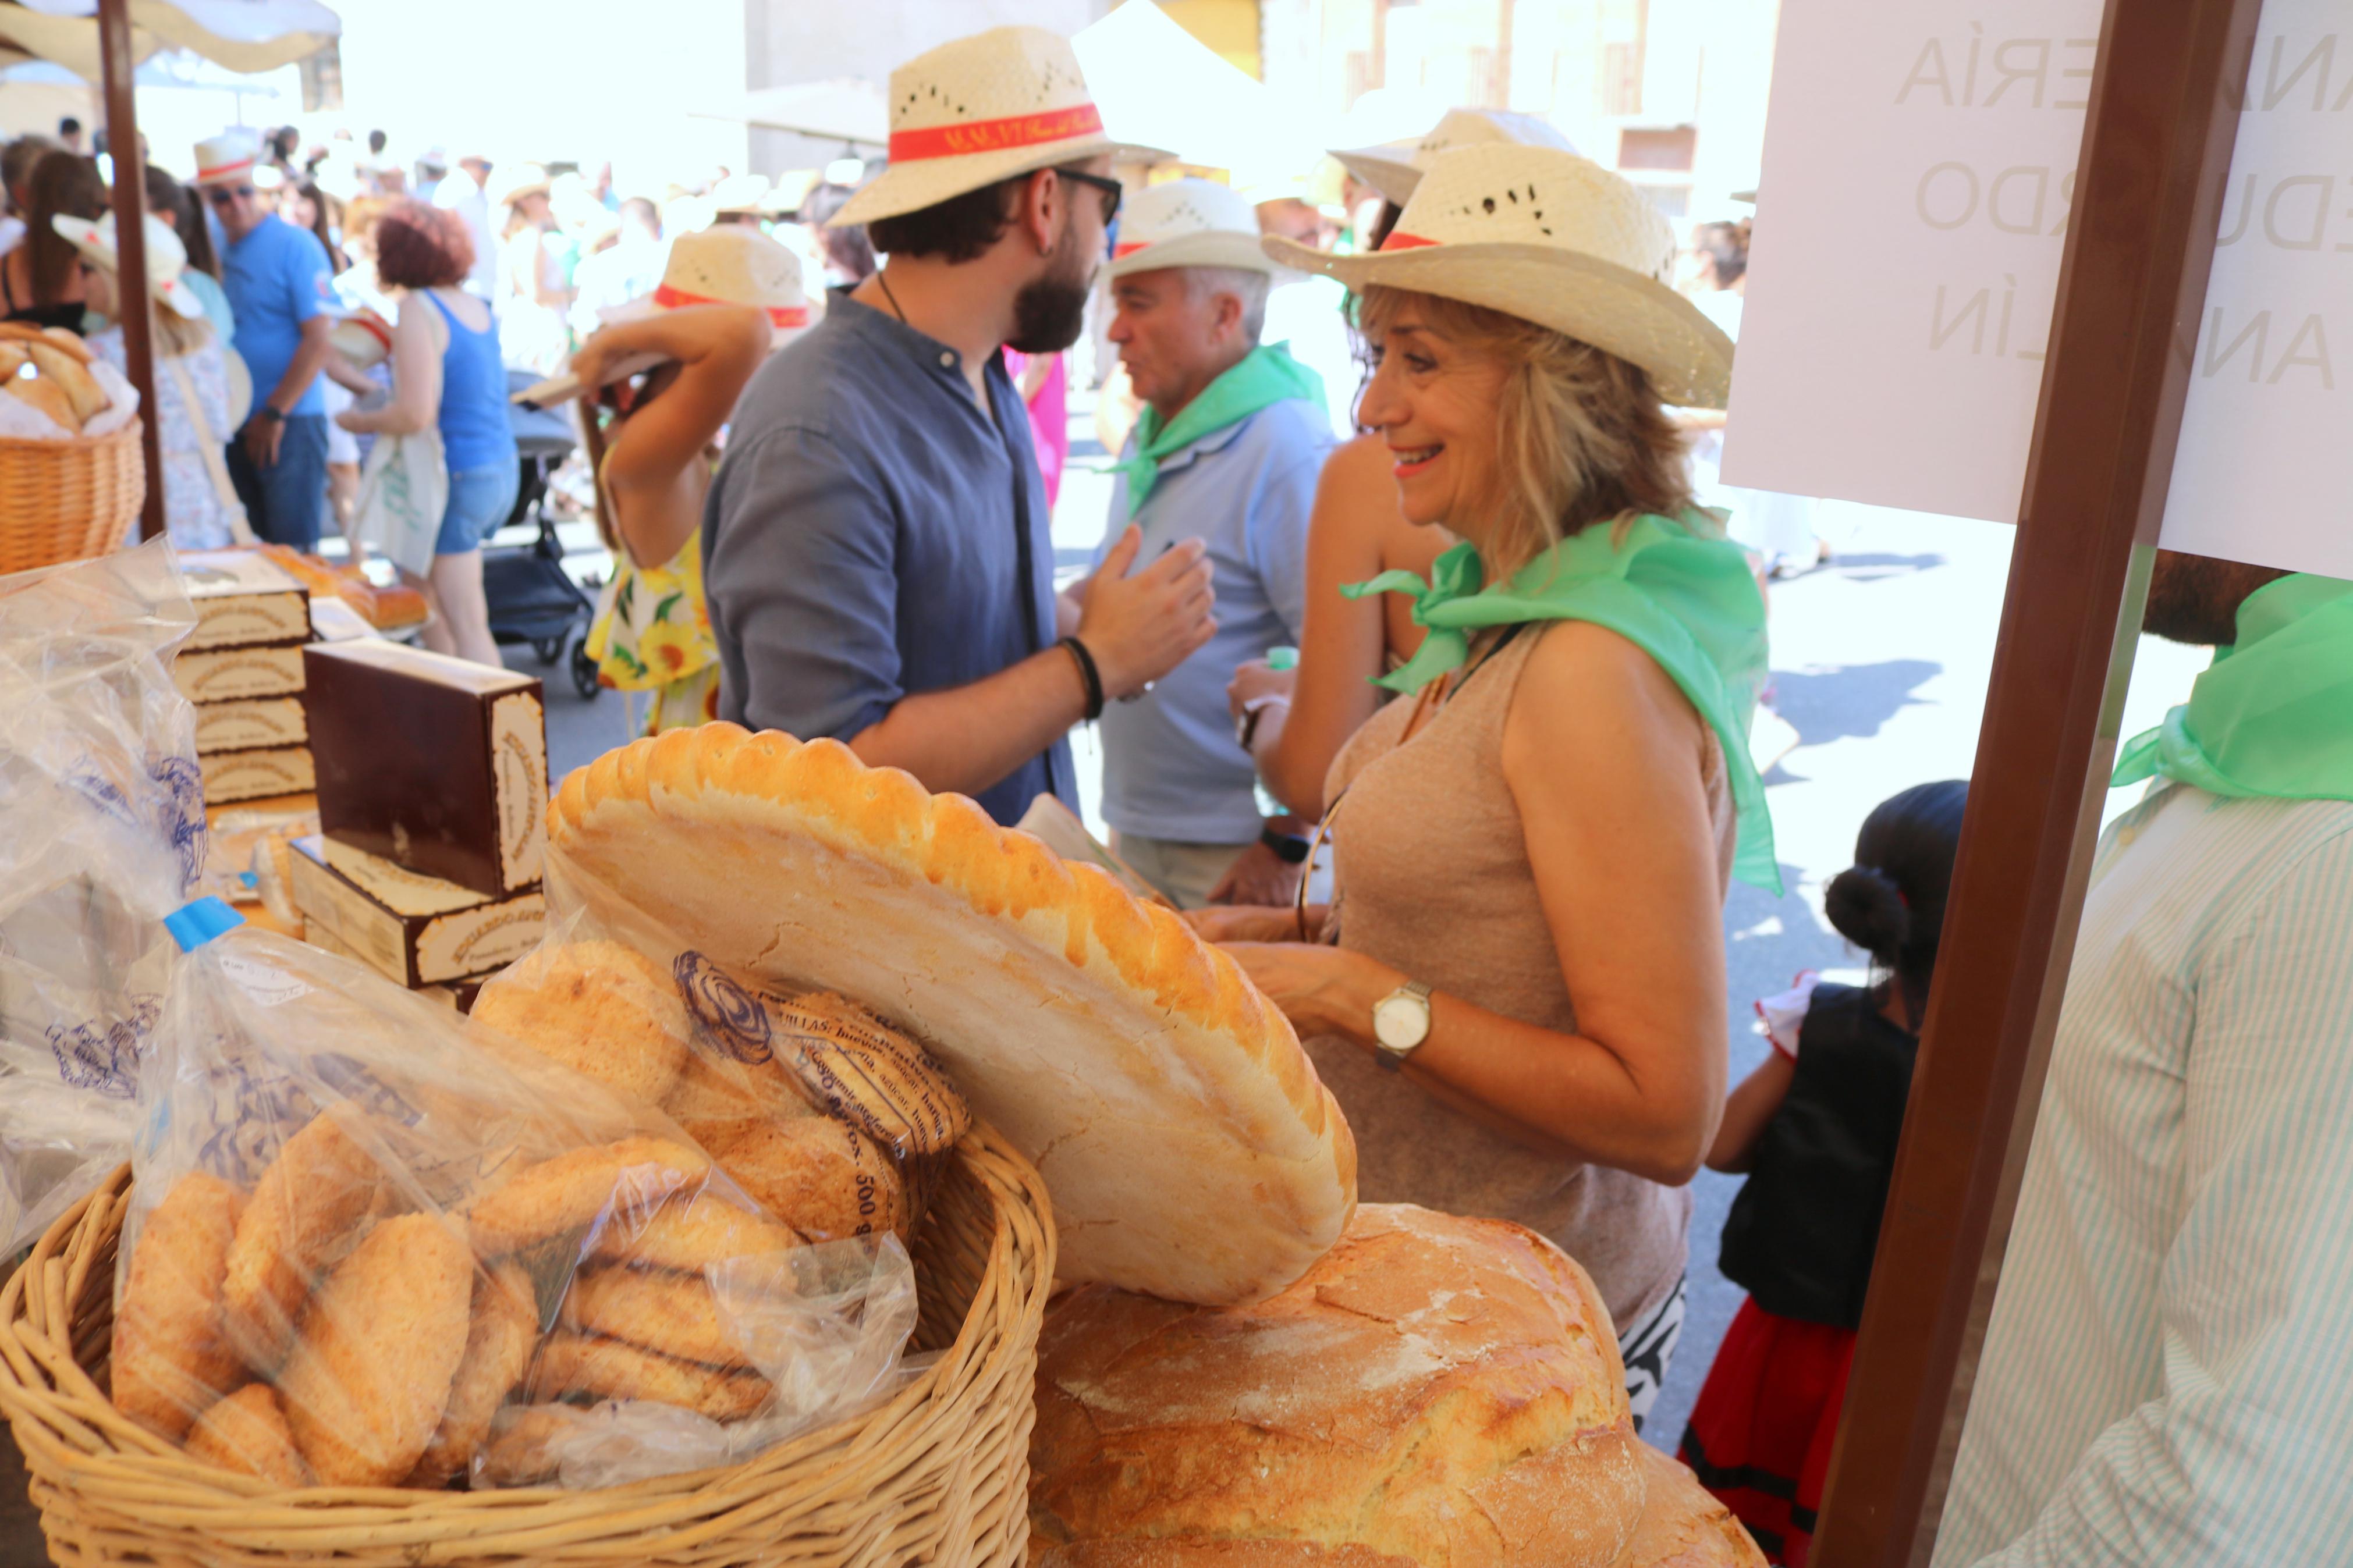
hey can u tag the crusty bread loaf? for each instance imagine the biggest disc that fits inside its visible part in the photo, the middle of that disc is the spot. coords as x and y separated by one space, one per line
1190 1150
1446 1391
1680 1527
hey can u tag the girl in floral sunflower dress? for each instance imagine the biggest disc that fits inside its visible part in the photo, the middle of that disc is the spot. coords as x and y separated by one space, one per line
651 439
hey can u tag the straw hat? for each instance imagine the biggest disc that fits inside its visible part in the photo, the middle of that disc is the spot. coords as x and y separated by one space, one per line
731 265
1393 168
166 258
1552 238
528 180
1188 222
738 194
363 337
227 159
980 109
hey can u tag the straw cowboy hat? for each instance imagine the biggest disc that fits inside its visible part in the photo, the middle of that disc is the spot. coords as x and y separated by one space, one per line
227 159
738 194
1552 238
731 265
166 258
1188 222
528 180
1393 168
980 109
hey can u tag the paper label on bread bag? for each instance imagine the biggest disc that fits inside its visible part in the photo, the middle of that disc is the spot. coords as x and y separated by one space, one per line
519 764
372 935
475 942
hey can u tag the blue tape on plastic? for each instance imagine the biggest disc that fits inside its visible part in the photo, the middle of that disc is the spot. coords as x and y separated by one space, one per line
193 925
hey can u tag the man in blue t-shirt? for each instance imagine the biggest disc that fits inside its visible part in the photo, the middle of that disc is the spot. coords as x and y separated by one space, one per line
279 285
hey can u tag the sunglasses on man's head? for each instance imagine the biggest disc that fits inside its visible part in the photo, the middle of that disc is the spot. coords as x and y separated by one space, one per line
222 196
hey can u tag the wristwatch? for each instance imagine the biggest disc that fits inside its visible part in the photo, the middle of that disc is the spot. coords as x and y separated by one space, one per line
1401 1024
1289 848
266 410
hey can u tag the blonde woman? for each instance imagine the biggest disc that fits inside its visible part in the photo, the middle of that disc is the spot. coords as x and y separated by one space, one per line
1518 993
1295 722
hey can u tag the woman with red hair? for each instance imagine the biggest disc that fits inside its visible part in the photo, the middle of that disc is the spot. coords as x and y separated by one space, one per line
446 374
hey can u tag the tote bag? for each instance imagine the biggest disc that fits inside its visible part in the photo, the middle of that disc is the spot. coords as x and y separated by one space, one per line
404 491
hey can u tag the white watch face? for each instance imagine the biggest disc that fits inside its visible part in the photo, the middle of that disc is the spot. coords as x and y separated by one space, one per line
1400 1023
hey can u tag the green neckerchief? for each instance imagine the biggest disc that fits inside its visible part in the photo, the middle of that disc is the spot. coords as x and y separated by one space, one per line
1264 376
2273 714
1685 598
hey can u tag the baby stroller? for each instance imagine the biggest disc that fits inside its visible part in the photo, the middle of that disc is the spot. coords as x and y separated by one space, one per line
532 599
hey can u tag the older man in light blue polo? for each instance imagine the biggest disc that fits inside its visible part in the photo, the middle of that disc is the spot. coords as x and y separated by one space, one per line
1227 449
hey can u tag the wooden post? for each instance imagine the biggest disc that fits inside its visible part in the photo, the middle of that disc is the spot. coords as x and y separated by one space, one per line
2156 150
131 306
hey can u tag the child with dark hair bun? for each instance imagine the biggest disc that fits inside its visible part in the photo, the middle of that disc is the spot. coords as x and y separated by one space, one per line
1815 1128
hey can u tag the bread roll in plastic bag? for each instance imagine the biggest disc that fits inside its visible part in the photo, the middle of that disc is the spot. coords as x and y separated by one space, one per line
361 1226
101 836
836 1120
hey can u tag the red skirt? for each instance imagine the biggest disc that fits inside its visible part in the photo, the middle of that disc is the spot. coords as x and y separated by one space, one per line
1760 1435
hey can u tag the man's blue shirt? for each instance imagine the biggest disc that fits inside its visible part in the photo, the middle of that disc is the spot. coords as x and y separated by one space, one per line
277 277
863 540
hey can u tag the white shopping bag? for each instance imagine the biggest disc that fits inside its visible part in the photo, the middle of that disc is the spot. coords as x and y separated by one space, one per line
403 490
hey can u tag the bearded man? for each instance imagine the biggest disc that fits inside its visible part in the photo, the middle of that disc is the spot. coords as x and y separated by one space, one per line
879 561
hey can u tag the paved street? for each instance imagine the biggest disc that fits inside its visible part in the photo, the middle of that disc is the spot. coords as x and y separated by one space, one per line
1880 662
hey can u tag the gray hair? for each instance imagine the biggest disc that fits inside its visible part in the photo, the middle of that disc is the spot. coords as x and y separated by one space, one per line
1248 285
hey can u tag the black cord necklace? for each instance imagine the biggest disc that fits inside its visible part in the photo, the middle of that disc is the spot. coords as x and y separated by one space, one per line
884 279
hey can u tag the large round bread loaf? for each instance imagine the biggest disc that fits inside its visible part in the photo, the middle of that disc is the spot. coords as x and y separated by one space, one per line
1189 1147
1680 1527
1445 1391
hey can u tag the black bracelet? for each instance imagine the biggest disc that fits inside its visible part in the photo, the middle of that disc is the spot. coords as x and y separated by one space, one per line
1289 848
1087 673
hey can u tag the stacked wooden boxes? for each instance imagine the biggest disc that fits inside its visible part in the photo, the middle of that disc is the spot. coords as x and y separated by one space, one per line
432 784
242 667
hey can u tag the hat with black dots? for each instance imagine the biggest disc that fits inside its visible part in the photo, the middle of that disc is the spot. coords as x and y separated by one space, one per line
1188 222
1395 168
1552 238
977 111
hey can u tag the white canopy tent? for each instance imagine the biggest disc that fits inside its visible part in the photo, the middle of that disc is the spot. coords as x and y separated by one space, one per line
849 110
243 34
105 40
1161 87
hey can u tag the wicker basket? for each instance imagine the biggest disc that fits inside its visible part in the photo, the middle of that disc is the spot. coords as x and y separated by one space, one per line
939 1476
68 500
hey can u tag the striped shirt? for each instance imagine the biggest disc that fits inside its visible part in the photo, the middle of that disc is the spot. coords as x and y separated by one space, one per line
2168 1378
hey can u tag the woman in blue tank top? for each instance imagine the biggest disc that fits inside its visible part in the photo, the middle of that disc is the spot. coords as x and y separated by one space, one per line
446 373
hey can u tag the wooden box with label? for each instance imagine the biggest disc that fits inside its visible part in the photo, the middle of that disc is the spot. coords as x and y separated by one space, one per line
243 599
255 774
430 762
415 929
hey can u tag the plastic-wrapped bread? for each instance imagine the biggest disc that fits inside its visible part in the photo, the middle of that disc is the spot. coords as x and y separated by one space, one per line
1189 1147
367 1378
171 1357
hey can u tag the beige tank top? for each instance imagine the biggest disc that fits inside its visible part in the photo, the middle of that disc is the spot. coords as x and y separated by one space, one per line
1433 879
